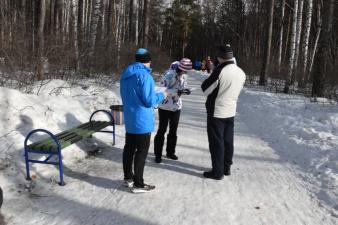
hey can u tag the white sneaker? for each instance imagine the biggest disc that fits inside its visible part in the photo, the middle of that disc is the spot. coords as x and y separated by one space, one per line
144 189
128 183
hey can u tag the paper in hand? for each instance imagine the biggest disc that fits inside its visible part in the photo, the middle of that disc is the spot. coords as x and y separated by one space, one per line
160 89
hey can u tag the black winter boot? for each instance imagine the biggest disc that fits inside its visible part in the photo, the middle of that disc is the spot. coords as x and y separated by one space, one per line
210 174
158 146
171 145
227 171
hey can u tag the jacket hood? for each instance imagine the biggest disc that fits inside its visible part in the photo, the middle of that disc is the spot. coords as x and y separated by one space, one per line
132 69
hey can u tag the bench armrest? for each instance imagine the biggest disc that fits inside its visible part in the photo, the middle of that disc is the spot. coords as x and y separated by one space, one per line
55 139
104 111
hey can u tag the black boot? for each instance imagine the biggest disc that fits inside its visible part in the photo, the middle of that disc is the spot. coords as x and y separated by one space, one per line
227 171
158 146
210 174
171 145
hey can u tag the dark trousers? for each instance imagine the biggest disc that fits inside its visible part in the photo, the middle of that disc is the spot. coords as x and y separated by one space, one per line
166 117
221 143
135 150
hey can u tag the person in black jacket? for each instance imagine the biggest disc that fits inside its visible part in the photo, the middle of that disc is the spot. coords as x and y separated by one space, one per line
222 89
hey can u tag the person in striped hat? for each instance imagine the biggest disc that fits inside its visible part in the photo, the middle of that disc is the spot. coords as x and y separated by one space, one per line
170 109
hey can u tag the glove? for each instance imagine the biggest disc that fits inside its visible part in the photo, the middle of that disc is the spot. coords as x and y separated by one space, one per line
183 92
165 93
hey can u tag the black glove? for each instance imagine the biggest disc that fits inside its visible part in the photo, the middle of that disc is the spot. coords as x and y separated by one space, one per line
183 92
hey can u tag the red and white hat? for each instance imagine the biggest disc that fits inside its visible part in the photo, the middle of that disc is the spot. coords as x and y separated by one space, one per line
185 64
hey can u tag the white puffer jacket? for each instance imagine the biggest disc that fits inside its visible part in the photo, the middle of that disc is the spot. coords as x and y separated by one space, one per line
222 89
173 102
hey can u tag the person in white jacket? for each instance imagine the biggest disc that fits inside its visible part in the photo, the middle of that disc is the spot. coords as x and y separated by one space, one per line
170 109
222 89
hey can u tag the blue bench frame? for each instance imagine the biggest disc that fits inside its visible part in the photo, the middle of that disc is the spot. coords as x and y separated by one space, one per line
58 152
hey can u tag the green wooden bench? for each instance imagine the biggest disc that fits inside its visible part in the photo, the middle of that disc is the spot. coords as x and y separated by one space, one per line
53 144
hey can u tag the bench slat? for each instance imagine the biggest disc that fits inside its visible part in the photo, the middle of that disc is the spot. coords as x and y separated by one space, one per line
71 136
38 144
60 136
78 135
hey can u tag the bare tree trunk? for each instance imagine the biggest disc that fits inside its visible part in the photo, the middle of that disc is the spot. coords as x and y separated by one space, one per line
75 34
292 48
111 25
119 35
51 17
34 26
117 19
89 13
27 21
323 65
93 29
305 46
80 25
102 21
131 20
146 23
280 49
161 37
41 72
315 46
267 53
2 27
24 28
59 19
287 38
124 22
184 43
299 33
319 29
66 22
260 28
137 22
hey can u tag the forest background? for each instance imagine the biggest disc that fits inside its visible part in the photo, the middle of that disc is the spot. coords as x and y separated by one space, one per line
294 41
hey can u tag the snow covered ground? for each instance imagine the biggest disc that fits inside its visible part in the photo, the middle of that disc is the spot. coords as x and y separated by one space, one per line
285 165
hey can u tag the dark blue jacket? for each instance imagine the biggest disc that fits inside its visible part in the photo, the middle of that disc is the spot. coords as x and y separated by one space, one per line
137 88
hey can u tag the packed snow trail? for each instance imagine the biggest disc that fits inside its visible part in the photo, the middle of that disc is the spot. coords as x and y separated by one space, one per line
261 190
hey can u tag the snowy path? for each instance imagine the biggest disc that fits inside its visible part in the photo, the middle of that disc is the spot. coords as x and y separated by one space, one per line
261 190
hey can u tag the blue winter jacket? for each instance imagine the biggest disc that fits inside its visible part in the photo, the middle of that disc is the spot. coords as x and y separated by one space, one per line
137 88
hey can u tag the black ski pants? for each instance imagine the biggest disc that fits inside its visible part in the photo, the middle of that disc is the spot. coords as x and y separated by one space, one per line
135 150
166 117
221 143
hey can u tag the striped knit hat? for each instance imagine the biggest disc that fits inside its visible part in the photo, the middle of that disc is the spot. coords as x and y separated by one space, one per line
185 64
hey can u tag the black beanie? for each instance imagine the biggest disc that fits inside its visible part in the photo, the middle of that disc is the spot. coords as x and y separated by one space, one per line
142 55
225 52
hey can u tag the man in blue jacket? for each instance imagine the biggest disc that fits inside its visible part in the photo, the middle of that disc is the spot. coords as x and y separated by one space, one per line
139 98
